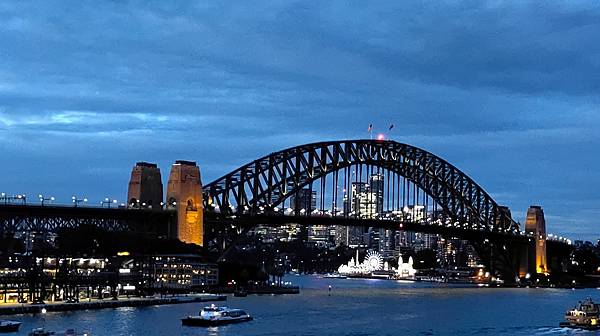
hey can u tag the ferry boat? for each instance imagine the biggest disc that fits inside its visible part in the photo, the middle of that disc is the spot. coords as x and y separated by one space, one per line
213 316
9 326
584 316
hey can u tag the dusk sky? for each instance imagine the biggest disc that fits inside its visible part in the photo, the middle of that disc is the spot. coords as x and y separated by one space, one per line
507 92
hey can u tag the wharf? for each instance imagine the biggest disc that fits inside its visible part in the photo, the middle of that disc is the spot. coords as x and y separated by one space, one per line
11 309
260 290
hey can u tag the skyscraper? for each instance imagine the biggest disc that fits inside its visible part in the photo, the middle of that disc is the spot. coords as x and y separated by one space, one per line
304 201
366 202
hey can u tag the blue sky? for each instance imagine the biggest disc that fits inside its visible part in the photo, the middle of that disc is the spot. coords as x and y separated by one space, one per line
506 91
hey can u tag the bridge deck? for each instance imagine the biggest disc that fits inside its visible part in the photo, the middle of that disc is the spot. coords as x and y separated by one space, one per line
16 218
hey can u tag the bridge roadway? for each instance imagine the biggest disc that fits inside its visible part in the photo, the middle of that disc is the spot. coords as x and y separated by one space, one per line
249 221
37 218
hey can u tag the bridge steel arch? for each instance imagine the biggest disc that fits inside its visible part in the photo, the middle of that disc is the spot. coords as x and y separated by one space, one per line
263 184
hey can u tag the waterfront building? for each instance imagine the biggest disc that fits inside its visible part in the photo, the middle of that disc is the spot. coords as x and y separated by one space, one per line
180 271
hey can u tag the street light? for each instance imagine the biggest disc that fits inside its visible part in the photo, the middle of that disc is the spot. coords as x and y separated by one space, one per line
76 201
4 198
22 197
44 199
108 202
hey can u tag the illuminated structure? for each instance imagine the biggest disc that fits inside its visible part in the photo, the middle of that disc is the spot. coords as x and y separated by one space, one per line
181 271
405 270
145 186
184 193
535 226
373 262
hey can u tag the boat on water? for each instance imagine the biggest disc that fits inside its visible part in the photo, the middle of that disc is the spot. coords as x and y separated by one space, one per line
214 316
334 276
9 326
40 332
584 316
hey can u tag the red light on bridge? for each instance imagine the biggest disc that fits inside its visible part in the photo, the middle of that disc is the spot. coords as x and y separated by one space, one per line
380 137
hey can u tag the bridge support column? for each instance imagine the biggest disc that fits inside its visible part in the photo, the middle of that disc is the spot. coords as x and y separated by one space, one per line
145 186
502 258
184 193
535 227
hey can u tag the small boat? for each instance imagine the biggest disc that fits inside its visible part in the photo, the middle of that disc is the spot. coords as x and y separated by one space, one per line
584 316
214 316
40 332
9 326
334 276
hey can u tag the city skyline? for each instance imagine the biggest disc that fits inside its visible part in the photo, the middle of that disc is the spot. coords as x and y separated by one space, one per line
181 84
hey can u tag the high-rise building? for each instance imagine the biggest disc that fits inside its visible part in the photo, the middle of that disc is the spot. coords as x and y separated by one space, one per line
404 238
375 190
367 198
342 231
358 201
384 240
304 201
387 242
366 202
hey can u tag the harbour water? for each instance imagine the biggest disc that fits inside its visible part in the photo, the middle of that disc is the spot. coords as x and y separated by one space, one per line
354 307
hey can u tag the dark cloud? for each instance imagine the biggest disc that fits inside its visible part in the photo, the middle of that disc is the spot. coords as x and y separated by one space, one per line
508 92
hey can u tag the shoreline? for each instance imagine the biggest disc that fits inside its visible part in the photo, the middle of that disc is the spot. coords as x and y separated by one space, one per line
103 304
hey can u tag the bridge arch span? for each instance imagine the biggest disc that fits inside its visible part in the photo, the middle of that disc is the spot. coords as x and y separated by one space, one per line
267 182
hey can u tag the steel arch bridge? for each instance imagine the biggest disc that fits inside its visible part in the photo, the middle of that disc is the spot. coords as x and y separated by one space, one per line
262 186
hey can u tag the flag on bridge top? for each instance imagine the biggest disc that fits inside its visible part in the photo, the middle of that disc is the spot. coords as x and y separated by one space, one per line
370 129
391 126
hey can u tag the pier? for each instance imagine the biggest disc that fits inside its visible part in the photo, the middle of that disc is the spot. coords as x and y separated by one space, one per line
101 304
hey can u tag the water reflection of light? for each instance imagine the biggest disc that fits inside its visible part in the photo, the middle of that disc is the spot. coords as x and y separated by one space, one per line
213 331
126 317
